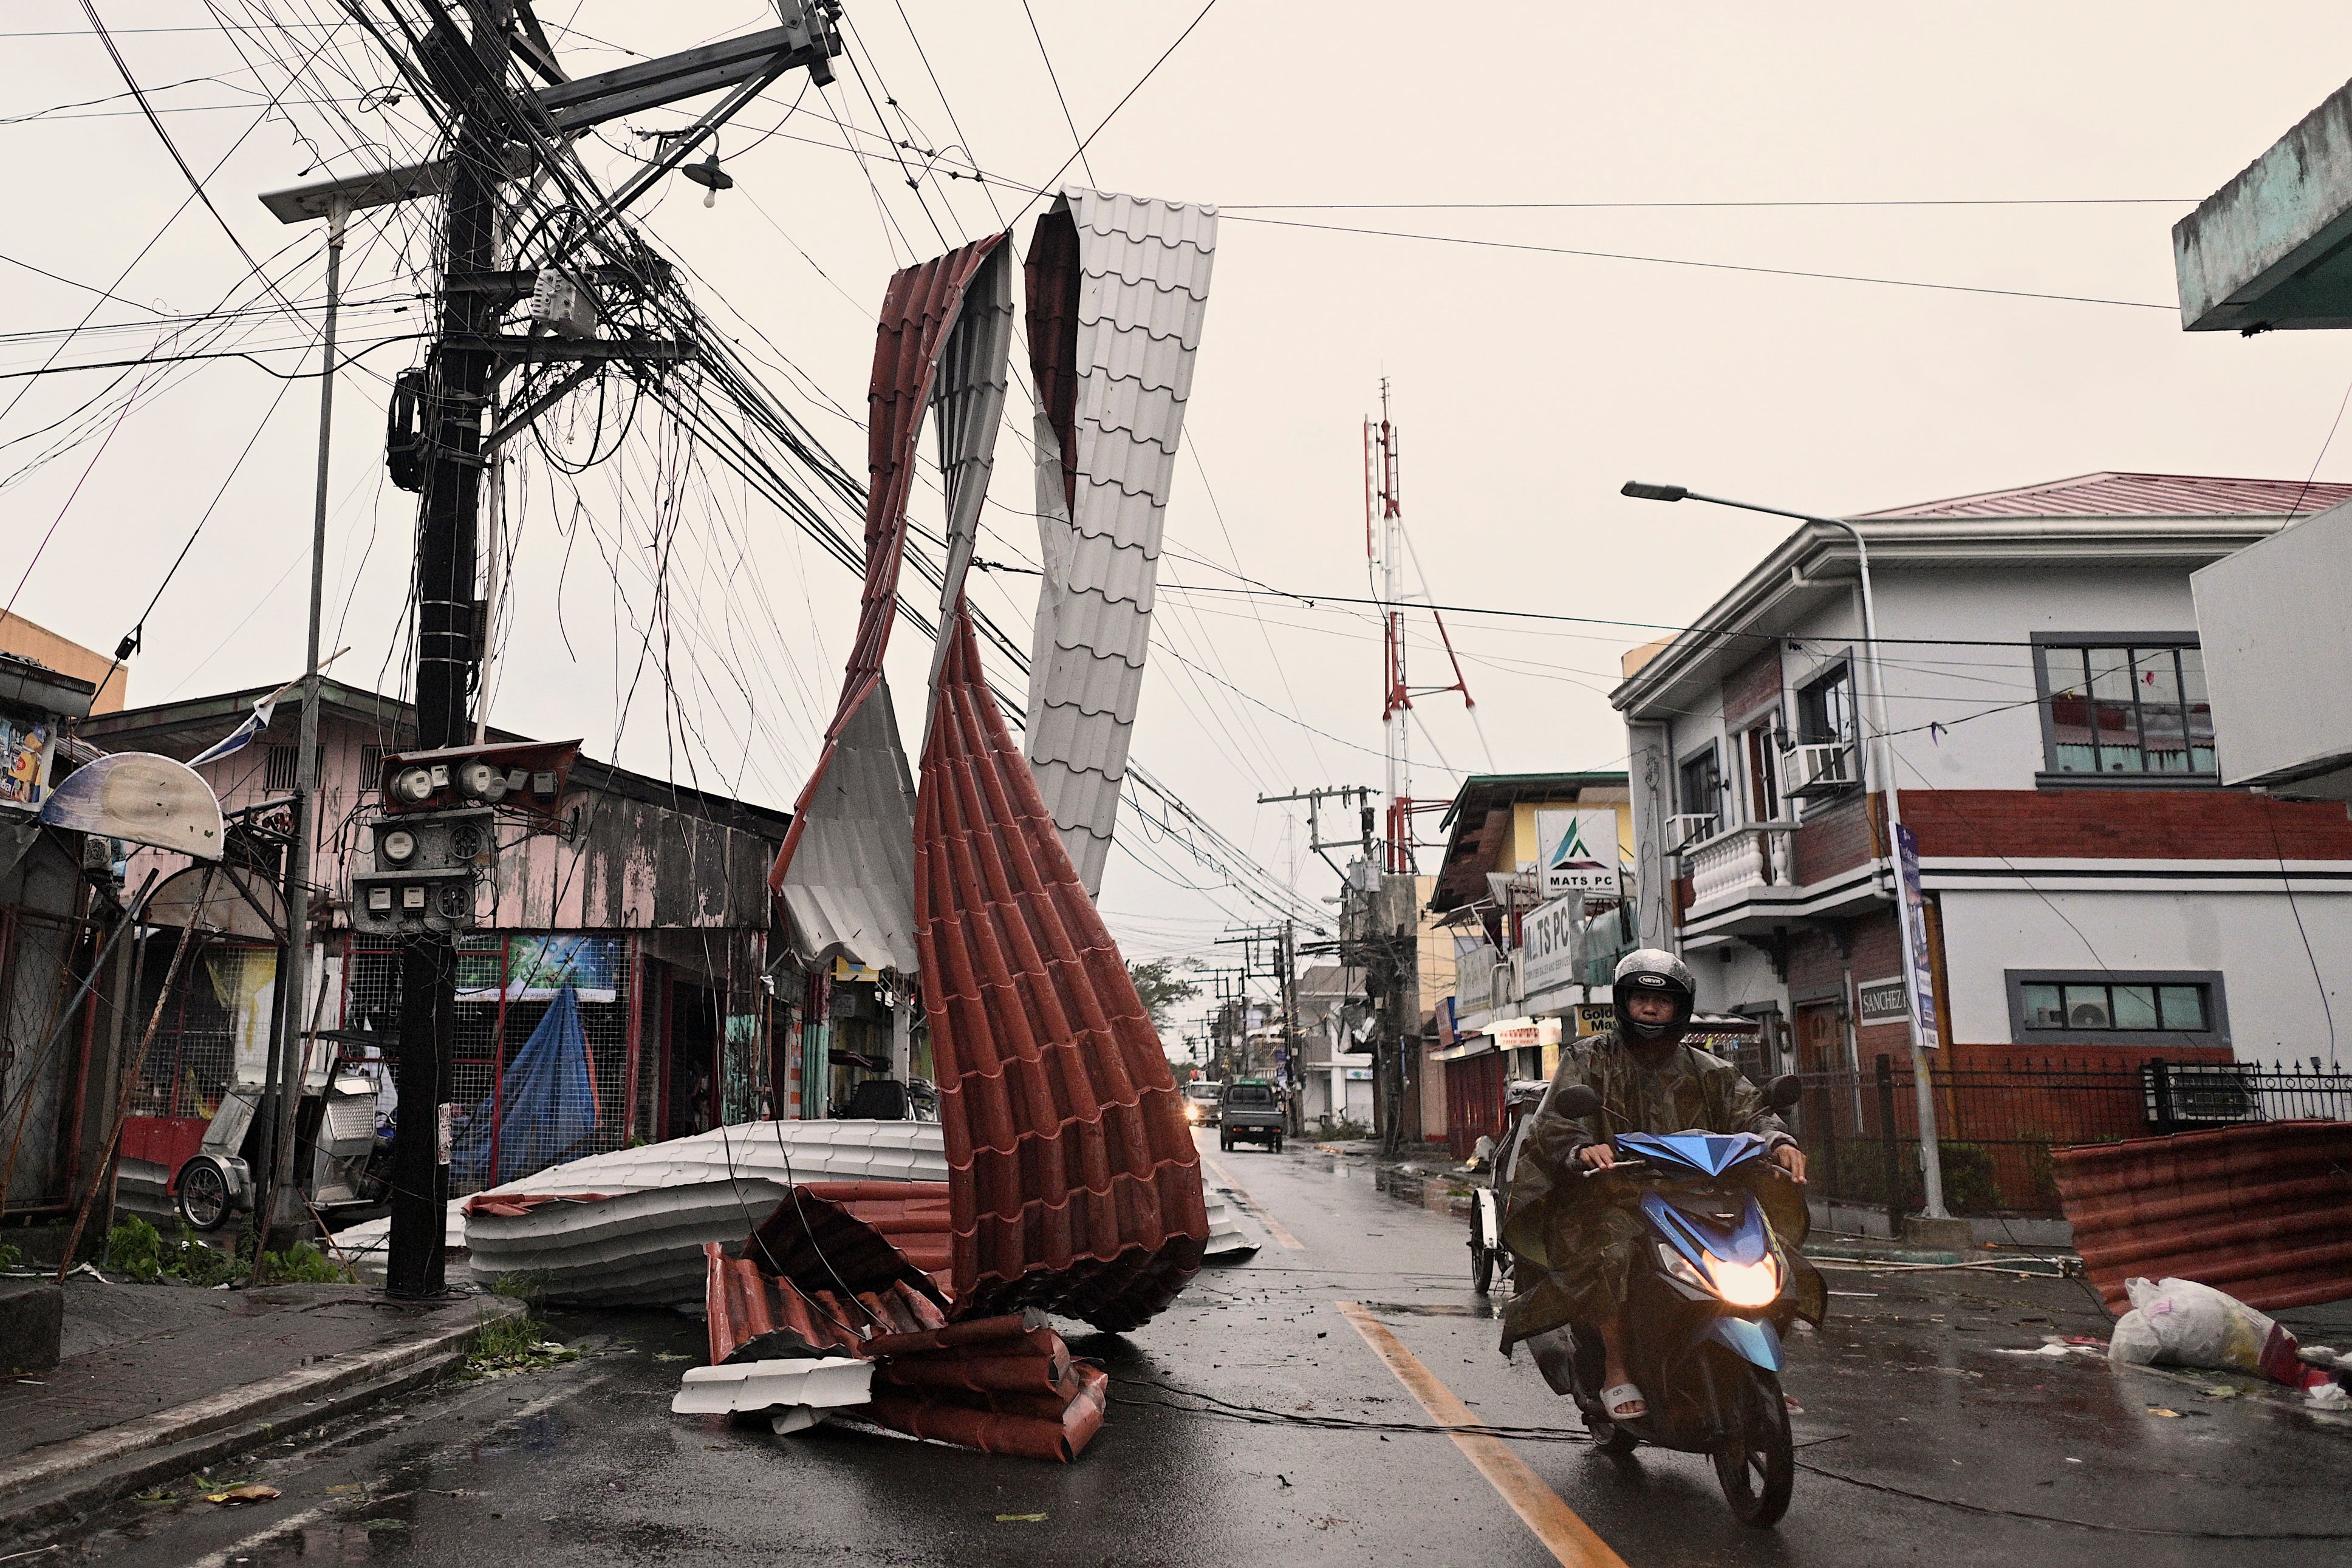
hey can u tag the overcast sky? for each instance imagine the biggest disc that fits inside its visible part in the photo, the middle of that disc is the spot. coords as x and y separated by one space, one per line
1529 384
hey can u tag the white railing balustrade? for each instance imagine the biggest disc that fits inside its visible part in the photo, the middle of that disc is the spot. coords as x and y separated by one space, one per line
1755 854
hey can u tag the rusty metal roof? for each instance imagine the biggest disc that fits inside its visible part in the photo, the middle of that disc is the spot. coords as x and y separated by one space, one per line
1074 1184
2264 1212
2117 495
1117 287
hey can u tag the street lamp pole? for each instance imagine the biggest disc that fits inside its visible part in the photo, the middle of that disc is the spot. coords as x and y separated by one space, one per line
1881 760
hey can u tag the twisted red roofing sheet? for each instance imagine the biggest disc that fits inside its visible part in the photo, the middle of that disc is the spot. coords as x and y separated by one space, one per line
2263 1212
919 312
1073 1183
2112 495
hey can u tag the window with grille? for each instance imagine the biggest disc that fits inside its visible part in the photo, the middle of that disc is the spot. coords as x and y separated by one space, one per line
278 770
2131 710
2093 1008
371 767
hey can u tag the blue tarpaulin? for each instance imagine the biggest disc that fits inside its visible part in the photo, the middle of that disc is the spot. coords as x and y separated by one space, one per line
546 1102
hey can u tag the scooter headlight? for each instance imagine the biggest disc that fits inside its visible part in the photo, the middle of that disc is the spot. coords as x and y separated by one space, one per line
1755 1284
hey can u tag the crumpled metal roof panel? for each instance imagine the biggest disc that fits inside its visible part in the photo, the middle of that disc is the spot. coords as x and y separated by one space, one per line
1118 287
849 887
1077 1188
919 312
2117 495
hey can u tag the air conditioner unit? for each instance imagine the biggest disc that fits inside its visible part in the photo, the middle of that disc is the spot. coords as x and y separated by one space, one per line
1685 830
1818 770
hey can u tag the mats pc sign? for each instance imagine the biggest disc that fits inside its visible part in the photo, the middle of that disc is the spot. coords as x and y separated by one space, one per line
1579 852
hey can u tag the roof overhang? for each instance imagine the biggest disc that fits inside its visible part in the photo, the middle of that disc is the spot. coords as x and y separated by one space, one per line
2272 248
1815 565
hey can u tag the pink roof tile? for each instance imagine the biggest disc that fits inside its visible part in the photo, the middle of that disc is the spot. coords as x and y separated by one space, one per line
2110 495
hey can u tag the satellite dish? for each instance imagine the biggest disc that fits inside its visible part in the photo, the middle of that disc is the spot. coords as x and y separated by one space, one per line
139 796
223 913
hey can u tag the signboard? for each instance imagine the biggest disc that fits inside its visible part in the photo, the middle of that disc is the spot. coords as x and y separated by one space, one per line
1547 944
1579 849
26 748
1525 1034
1918 966
1883 1001
1592 1017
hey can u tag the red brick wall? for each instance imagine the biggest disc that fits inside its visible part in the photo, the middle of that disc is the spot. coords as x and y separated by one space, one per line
2121 824
1836 839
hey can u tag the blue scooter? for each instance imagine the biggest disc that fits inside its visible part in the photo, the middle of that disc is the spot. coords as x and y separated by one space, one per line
1709 1300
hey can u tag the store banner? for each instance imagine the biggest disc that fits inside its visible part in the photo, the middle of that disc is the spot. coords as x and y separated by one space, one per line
537 968
1917 959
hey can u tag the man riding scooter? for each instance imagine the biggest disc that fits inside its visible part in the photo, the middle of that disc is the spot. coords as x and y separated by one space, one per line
1578 1237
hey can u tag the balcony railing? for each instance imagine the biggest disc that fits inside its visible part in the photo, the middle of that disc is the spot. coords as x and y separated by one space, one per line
1691 828
1755 854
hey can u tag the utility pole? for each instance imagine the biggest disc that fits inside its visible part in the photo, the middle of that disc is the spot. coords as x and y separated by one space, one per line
1384 513
505 132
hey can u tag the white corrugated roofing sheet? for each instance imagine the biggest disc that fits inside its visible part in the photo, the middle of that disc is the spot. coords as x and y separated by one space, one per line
1142 288
850 888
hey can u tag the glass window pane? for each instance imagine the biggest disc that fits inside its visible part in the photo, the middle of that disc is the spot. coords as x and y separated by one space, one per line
2163 724
2184 1007
2043 1009
2086 1007
2135 1006
2115 709
2199 712
2072 746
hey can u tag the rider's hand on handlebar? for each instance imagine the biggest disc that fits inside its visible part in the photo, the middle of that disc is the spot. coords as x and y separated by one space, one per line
1597 1157
1790 1158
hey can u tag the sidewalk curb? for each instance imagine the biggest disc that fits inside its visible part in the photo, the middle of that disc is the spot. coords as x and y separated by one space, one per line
71 1476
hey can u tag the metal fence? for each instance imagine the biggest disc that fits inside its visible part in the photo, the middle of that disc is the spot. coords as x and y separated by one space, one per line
1996 1125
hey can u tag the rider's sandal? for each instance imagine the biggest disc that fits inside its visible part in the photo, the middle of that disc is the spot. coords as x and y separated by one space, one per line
1623 1402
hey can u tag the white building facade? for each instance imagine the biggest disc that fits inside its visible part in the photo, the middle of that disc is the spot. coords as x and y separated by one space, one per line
2094 889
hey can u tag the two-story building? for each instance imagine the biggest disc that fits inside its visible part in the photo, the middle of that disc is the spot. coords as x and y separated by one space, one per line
2094 894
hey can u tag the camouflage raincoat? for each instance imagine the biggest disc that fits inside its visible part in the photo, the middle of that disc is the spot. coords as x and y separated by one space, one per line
1574 1237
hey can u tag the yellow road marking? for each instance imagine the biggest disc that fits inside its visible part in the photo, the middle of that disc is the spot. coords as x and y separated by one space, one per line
1250 1205
1539 1507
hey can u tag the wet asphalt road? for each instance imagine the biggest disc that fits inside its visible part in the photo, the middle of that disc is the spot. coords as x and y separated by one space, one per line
1925 1444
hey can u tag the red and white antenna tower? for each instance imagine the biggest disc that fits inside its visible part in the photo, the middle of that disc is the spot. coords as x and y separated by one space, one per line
1384 551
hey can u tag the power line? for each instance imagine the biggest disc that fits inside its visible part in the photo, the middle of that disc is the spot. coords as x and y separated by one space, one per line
1087 140
1054 77
1606 206
1706 265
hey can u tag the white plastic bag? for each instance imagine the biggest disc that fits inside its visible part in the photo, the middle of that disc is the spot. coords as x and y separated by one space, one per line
2181 1323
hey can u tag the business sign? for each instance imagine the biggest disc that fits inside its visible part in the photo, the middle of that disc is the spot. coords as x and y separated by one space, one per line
1578 850
1917 962
1524 1034
1547 944
1592 1017
1882 1002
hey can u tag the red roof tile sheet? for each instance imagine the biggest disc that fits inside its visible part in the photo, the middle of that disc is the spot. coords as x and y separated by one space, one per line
2113 495
2263 1212
1075 1184
919 312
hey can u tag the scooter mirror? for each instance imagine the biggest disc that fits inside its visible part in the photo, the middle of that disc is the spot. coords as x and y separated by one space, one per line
1577 1101
1784 1092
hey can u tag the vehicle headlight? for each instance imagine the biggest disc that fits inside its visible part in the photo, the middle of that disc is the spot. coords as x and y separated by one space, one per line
1755 1284
398 846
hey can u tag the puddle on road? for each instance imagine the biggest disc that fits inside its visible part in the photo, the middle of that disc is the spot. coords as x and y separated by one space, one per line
1440 1192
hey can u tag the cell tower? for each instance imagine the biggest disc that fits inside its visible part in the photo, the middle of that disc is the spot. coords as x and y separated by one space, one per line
1385 549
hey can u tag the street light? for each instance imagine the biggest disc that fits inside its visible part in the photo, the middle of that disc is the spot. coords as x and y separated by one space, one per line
1930 1156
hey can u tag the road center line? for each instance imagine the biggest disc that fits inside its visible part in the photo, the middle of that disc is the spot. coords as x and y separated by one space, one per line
1251 1207
1539 1507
